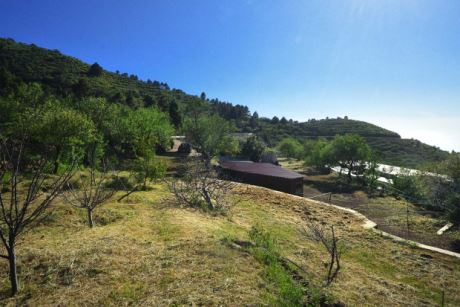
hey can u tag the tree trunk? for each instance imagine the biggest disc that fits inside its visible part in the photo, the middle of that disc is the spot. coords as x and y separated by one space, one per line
207 198
90 218
13 270
350 169
56 160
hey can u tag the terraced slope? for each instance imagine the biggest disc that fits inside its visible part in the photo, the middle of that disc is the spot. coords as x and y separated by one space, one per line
64 75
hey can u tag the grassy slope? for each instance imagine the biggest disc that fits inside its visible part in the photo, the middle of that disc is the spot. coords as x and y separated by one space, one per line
148 252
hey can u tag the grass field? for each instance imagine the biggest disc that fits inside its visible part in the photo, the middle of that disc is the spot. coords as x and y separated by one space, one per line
147 251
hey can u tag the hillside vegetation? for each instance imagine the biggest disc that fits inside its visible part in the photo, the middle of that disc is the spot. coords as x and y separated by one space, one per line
147 251
64 76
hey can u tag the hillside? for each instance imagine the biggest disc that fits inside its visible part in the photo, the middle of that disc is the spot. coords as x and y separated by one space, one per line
147 251
63 75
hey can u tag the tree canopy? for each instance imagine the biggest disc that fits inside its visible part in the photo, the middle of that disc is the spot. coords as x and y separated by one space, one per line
210 135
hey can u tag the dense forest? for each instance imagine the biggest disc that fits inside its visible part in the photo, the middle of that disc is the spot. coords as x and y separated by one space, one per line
68 78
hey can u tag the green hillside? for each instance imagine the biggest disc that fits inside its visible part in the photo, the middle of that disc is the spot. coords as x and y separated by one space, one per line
65 76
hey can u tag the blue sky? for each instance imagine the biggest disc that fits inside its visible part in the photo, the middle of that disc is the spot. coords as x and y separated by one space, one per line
395 63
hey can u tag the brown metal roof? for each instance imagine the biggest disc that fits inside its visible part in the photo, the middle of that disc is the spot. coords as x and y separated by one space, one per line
266 169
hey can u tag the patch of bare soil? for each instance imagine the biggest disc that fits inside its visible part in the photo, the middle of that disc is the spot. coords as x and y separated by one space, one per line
391 215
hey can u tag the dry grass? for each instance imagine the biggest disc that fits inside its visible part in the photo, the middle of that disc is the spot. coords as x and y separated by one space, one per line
148 252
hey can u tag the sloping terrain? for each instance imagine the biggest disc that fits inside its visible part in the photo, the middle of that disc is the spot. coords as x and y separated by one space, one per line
63 75
147 251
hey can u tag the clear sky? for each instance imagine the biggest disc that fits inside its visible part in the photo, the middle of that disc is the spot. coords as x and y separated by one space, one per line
395 63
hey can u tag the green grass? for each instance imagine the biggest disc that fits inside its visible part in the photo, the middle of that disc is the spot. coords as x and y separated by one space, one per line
266 251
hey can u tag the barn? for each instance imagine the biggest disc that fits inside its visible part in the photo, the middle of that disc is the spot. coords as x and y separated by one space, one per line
264 174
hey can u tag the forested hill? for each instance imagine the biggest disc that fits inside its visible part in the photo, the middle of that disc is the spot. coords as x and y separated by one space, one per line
65 76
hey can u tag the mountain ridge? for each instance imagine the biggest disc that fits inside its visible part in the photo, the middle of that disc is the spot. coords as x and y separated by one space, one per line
64 75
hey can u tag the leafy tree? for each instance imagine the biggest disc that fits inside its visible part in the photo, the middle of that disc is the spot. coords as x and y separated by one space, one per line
208 134
174 114
143 169
442 186
133 99
275 120
203 96
164 101
283 120
290 148
81 88
9 83
253 148
314 151
95 70
350 152
141 131
149 101
63 130
371 174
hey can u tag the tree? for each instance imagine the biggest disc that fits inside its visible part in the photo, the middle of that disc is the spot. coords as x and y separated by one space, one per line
441 186
164 101
81 88
9 83
149 101
210 135
275 120
314 151
332 245
174 114
350 152
142 130
201 187
253 121
283 120
290 148
44 123
253 148
95 70
24 200
203 96
91 191
142 169
63 130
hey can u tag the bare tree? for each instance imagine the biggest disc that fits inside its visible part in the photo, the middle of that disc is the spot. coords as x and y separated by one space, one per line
200 186
330 243
91 191
23 200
